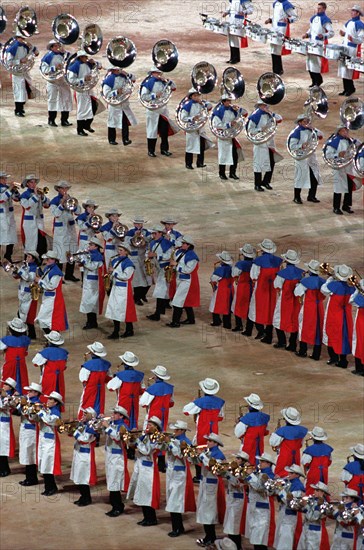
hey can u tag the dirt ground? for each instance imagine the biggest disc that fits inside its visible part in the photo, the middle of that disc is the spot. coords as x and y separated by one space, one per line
219 215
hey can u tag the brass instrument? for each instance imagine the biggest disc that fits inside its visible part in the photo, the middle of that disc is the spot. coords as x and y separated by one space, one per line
306 149
344 158
149 266
28 408
12 267
138 241
86 85
307 441
130 438
35 289
107 282
170 269
272 486
120 229
271 88
236 126
65 28
81 256
41 191
26 21
70 204
12 401
204 77
352 281
12 67
298 503
96 423
95 221
348 458
160 437
222 468
68 427
191 451
326 269
165 55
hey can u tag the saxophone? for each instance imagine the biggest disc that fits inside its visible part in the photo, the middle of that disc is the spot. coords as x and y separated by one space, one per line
169 269
35 289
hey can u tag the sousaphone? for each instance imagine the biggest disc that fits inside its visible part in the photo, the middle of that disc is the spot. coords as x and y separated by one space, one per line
310 146
317 103
204 77
121 52
91 39
26 22
352 113
165 55
359 160
271 88
334 161
65 29
233 82
87 85
3 20
17 69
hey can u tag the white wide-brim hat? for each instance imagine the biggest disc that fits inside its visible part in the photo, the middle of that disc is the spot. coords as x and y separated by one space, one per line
259 102
267 457
224 97
179 425
95 240
188 240
313 266
33 253
52 43
225 544
254 401
80 53
17 324
341 127
139 219
241 454
214 437
356 7
210 386
97 349
358 450
343 272
301 117
51 254
349 493
157 421
155 69
295 469
291 256
29 177
4 175
90 410
10 382
161 372
158 229
320 486
248 250
62 184
111 211
225 257
193 91
34 386
169 219
268 246
291 415
54 337
120 410
90 202
130 359
318 433
124 246
55 395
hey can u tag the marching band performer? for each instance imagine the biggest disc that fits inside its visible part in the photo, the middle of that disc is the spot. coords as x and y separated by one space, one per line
252 427
128 386
208 411
108 234
49 448
93 290
338 321
94 375
265 155
171 232
306 171
211 493
120 115
197 141
187 295
285 317
229 150
179 485
116 460
138 238
284 13
287 440
83 469
263 300
33 201
314 533
311 315
15 347
7 436
52 314
343 178
52 361
8 235
79 72
316 459
158 120
83 222
157 399
28 434
237 12
121 306
17 53
353 34
260 513
159 253
289 521
64 228
222 287
58 92
353 472
144 487
27 309
345 528
319 32
357 300
243 289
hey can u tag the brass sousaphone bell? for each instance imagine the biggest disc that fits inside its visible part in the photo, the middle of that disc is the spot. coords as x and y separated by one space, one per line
65 29
165 55
26 22
352 113
121 52
3 20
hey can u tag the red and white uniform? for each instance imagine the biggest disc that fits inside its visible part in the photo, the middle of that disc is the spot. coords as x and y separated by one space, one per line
314 533
288 439
49 448
243 289
188 287
251 429
311 315
287 307
83 470
27 310
93 290
338 322
260 515
7 437
94 375
52 361
121 305
236 502
320 25
316 460
357 300
15 349
64 229
211 493
222 285
179 485
263 300
144 488
158 399
116 460
128 386
209 411
52 313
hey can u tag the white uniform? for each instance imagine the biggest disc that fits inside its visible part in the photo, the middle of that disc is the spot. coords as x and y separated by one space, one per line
86 231
33 219
258 512
279 21
6 430
311 535
355 29
137 256
318 26
7 219
120 301
152 117
238 10
59 94
286 521
234 505
183 279
161 289
261 159
90 288
176 477
225 146
14 56
26 275
115 112
193 138
48 443
207 502
49 282
27 440
144 482
81 470
116 470
64 229
340 175
302 167
83 99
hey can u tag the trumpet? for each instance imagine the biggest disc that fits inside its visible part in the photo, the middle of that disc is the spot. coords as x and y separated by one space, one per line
297 503
12 401
68 426
28 408
272 486
160 437
81 256
191 451
354 281
12 267
42 191
130 438
326 269
97 422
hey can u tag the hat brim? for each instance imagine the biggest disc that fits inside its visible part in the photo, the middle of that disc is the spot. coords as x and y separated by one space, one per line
207 391
254 405
15 328
294 262
51 397
208 438
99 354
129 363
162 377
28 388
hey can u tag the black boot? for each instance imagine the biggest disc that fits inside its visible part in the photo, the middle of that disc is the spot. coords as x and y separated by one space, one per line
302 350
50 487
162 463
177 525
9 252
4 466
64 118
235 55
190 317
277 66
19 111
238 324
91 321
31 332
237 540
258 181
115 334
336 203
334 358
31 477
176 317
117 505
359 367
81 128
85 498
125 130
297 196
292 344
222 174
268 335
87 125
69 273
111 134
52 115
216 320
160 310
316 353
248 328
198 475
281 339
151 147
189 161
200 163
260 329
129 331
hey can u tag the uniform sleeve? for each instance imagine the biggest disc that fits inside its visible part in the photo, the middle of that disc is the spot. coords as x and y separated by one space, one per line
114 384
275 440
346 476
144 447
84 375
123 275
306 459
92 266
278 282
324 288
299 290
114 433
48 418
215 278
145 399
329 31
254 272
187 268
240 429
191 409
26 275
38 360
254 481
2 346
235 272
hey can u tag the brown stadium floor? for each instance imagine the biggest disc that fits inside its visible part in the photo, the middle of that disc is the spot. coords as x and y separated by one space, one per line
219 215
